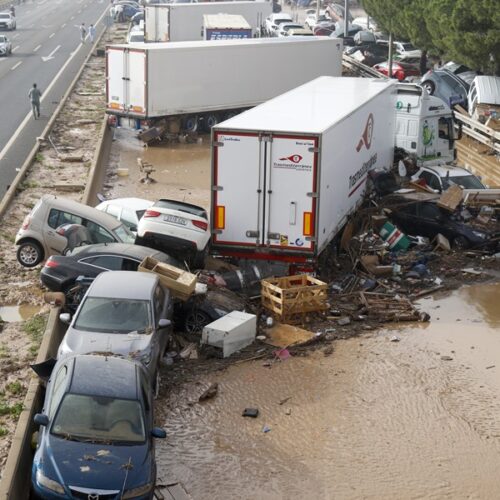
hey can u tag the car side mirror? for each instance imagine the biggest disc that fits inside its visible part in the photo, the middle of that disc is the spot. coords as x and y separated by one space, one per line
163 323
65 318
158 432
41 419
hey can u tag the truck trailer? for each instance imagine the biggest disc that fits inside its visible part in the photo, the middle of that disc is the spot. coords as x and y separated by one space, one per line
286 175
180 22
225 27
185 81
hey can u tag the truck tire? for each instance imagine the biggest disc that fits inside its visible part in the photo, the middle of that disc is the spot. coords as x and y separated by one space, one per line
209 121
190 123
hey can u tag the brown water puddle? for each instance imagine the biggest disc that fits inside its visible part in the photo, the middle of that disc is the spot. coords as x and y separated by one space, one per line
182 171
11 314
377 419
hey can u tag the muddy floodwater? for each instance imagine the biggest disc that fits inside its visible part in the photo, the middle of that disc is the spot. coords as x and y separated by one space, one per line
415 417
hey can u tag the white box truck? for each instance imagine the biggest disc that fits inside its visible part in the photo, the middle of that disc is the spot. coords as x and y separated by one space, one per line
287 174
225 27
182 22
189 80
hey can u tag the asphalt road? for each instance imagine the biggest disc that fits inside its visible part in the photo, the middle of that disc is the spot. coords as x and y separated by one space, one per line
46 50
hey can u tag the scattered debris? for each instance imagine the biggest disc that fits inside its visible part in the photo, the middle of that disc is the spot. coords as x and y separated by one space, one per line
250 412
282 335
266 429
395 338
282 354
209 393
446 358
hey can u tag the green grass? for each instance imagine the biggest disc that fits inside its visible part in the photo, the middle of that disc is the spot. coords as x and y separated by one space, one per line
4 352
15 387
12 410
39 157
28 185
35 327
3 431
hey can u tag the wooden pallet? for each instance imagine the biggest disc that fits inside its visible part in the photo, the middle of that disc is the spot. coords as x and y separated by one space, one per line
179 282
290 298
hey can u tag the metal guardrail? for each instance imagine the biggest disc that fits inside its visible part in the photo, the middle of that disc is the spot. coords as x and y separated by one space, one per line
360 68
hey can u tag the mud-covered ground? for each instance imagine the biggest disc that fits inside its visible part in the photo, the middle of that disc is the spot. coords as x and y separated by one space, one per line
73 135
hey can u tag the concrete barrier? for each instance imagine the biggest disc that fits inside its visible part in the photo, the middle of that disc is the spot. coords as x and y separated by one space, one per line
16 476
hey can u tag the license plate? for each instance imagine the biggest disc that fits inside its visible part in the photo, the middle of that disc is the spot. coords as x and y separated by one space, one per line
174 219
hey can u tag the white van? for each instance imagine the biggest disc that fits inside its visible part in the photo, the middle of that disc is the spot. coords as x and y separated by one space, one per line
484 98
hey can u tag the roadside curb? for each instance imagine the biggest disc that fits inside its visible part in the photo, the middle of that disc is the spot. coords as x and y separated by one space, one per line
11 192
15 482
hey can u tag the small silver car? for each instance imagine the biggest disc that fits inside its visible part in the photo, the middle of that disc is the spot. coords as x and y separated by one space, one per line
5 46
124 313
38 237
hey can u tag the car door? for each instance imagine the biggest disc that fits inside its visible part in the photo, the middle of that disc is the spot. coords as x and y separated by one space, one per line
53 240
430 220
162 310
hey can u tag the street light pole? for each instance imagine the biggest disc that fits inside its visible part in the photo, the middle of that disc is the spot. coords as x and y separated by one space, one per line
318 7
346 17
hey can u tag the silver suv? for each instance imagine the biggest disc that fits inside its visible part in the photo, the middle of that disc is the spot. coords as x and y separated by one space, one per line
38 237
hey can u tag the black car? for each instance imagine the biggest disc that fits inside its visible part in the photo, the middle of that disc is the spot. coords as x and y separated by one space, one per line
60 271
425 218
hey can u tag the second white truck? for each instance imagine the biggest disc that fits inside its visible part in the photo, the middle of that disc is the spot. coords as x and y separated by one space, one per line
204 82
287 174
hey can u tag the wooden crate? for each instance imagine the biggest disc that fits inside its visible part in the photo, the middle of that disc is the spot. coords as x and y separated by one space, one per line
179 282
292 297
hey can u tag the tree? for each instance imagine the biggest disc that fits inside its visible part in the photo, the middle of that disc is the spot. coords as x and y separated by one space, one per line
466 31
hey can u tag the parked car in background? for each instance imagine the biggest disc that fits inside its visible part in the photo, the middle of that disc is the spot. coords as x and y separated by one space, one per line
352 29
99 407
336 13
178 228
7 21
440 178
484 98
409 59
418 215
400 70
300 32
135 37
324 28
124 313
447 86
312 19
38 237
273 22
61 271
126 210
369 53
5 46
366 22
285 28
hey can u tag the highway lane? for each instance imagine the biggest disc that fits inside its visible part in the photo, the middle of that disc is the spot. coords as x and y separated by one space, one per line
46 50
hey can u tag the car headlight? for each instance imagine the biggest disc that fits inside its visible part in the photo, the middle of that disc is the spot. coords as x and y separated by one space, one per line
479 234
137 492
50 484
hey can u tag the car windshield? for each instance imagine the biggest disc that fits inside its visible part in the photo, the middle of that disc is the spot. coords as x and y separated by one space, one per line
4 16
124 234
99 419
102 314
408 46
281 21
466 181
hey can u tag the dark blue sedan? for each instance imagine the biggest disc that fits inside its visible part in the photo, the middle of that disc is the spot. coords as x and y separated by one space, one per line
96 432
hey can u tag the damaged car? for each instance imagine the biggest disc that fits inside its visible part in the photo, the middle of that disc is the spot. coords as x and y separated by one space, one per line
96 437
419 215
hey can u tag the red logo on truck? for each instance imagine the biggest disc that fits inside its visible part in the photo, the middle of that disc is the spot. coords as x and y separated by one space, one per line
366 138
293 158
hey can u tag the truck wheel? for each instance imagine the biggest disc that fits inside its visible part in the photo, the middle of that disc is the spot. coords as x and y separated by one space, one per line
29 253
190 123
210 121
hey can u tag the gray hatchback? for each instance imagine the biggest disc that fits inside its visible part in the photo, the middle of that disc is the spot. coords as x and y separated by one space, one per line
447 86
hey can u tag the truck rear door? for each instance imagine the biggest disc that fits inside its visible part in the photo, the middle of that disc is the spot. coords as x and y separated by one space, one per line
126 81
264 191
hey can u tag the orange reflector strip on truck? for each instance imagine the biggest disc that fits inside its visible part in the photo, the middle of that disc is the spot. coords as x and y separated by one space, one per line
308 224
114 105
137 109
220 217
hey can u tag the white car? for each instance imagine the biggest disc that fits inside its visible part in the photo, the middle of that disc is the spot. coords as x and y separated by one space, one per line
312 19
363 21
135 36
273 22
5 46
7 21
440 178
178 228
286 27
127 210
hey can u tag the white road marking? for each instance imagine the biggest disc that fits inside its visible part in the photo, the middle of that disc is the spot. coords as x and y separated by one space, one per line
16 65
15 48
28 117
15 36
63 25
71 18
36 48
51 55
51 35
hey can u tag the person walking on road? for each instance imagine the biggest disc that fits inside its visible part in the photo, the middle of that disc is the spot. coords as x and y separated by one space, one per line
34 96
83 32
91 33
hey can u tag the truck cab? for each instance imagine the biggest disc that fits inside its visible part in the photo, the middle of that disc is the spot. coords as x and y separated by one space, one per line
424 126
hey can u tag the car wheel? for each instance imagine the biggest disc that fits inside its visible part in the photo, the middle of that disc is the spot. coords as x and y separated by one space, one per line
460 243
195 320
29 253
199 258
430 86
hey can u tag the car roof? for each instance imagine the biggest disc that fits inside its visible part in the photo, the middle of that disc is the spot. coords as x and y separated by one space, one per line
488 89
452 171
123 285
124 249
80 209
109 376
